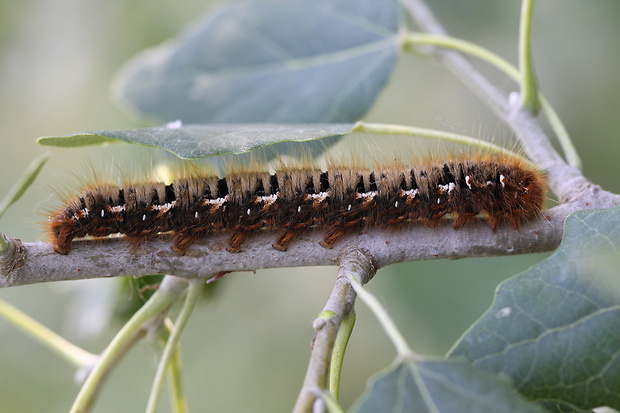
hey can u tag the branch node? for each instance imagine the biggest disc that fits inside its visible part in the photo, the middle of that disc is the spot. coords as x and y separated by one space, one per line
11 258
360 261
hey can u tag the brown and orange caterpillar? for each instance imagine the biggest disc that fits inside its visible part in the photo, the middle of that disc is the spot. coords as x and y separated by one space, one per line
496 188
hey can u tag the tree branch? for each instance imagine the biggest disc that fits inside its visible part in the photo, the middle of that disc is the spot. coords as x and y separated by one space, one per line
113 257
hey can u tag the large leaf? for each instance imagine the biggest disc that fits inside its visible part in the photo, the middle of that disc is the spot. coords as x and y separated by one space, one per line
272 61
441 387
555 329
200 141
553 406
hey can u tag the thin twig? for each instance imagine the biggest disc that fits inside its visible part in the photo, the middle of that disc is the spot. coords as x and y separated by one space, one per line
529 85
353 262
178 402
527 127
193 294
77 356
566 181
389 326
169 292
417 39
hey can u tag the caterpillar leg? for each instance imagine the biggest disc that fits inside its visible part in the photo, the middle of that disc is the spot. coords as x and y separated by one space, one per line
494 222
181 243
62 246
284 239
332 237
236 240
462 219
516 218
62 236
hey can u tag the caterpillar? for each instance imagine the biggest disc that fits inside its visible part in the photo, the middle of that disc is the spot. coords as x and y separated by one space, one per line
291 200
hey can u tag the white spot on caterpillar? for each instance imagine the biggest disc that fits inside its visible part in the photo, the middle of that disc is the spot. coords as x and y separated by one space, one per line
144 217
320 197
502 180
467 182
162 208
438 201
367 195
411 194
299 209
446 188
102 213
349 207
196 214
396 204
249 211
268 200
504 312
215 203
489 183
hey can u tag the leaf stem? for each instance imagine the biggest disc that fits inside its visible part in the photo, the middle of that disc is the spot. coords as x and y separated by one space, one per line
402 348
412 40
529 86
177 398
75 355
447 42
331 403
390 129
193 295
169 292
340 346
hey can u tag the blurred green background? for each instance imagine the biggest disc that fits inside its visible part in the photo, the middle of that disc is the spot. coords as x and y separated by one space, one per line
246 349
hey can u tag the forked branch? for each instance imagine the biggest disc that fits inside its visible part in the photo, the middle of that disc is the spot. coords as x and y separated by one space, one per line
354 262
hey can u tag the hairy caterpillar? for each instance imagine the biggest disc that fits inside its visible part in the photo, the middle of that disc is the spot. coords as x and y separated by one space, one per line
498 189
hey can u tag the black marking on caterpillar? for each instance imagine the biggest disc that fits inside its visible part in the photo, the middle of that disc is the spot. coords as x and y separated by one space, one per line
293 200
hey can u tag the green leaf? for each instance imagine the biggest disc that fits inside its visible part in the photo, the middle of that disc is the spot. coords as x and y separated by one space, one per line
558 407
440 386
200 141
23 183
555 329
77 140
293 61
